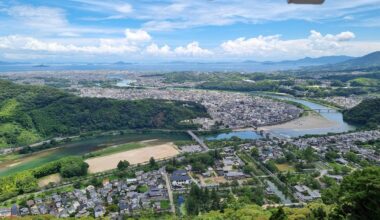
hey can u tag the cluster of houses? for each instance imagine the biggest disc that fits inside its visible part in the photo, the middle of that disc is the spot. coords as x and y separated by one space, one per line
130 196
230 165
268 149
342 143
232 110
305 194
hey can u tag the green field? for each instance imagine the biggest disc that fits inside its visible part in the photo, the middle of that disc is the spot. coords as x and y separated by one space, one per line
116 149
165 204
142 188
126 141
285 167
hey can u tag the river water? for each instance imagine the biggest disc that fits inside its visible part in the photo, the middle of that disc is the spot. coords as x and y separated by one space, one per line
336 117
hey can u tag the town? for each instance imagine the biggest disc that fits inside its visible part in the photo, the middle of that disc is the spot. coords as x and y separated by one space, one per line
228 110
277 166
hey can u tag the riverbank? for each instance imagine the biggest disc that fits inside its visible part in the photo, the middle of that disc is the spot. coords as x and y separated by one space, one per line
14 163
310 121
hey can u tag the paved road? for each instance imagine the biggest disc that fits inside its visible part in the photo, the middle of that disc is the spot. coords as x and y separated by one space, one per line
170 192
198 140
265 206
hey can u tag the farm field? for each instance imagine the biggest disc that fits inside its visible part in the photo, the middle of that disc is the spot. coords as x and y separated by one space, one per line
136 156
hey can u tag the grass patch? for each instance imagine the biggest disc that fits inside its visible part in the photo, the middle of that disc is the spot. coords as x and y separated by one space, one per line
165 204
142 188
285 167
116 149
8 109
8 157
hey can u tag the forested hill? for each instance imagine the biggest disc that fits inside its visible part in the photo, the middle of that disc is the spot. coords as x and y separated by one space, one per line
367 113
32 113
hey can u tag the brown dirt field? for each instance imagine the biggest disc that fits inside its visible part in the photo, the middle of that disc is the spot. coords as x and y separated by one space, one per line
136 156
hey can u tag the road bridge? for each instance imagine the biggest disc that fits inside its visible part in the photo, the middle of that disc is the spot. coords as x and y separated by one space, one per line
198 140
322 110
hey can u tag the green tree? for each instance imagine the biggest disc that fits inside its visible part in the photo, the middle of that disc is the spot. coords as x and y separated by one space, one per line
255 152
279 215
152 163
123 164
359 194
308 154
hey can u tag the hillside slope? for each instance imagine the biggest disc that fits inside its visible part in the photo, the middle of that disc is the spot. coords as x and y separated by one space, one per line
31 113
367 113
371 60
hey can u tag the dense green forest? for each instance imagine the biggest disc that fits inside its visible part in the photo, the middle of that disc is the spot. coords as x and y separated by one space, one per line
367 113
31 113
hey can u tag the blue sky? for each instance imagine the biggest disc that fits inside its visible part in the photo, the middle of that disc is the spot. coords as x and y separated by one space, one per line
201 30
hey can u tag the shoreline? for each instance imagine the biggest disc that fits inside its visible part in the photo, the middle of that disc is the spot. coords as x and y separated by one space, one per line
310 121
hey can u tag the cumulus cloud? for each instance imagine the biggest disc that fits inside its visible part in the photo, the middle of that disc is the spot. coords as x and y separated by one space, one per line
258 44
273 46
18 43
154 49
137 35
112 46
190 50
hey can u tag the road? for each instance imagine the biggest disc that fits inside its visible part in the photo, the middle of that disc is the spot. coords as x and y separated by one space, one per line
198 140
299 204
170 192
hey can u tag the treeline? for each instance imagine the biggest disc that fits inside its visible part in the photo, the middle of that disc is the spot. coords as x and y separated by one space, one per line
26 181
199 162
202 200
30 113
243 86
367 113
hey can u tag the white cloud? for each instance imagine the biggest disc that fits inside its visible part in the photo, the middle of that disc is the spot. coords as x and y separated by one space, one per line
316 44
137 35
154 49
190 50
178 14
38 17
125 8
111 46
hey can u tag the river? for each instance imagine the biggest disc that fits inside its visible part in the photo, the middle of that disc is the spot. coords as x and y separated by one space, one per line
315 123
81 147
324 123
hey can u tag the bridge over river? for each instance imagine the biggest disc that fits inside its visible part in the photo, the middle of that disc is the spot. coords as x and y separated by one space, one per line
322 110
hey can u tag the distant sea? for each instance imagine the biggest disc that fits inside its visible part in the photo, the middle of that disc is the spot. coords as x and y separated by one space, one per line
160 67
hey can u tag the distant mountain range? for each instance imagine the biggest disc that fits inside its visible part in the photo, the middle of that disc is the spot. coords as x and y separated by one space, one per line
122 63
371 60
308 61
326 63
